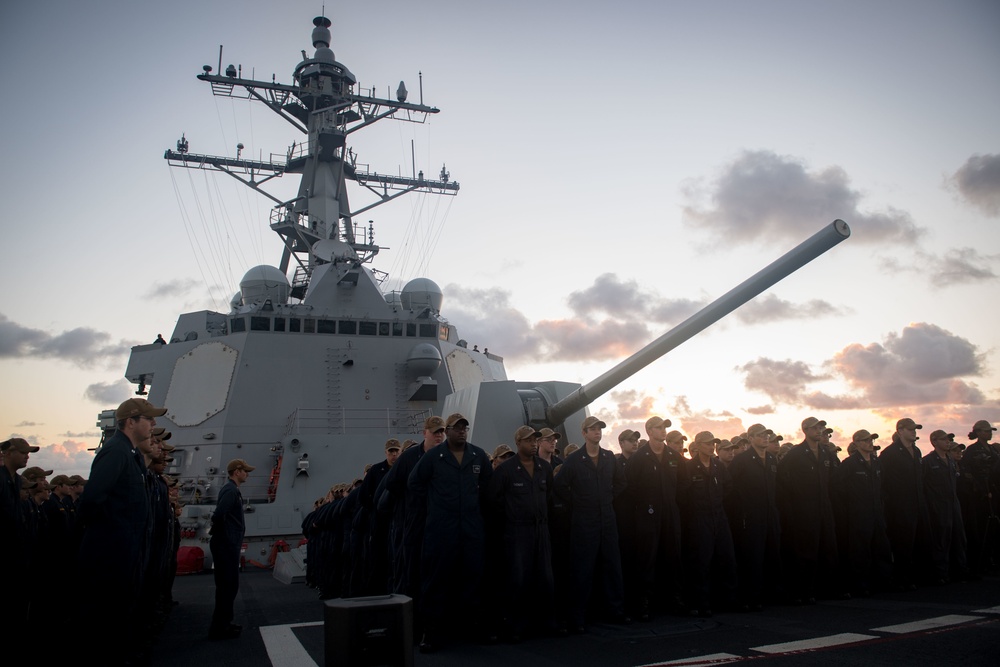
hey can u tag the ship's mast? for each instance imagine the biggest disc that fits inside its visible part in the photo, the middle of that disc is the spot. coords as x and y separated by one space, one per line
324 105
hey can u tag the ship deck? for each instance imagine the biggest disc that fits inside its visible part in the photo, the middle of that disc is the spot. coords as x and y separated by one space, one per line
957 624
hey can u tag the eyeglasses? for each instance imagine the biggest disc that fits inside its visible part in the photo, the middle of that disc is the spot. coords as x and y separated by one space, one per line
459 428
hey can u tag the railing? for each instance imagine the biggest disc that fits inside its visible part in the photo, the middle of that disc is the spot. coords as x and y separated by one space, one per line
384 421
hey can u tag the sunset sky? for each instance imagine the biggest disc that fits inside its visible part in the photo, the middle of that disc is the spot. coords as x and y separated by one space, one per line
621 165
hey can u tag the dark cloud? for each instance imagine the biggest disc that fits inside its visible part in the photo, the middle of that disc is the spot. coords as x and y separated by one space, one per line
770 308
978 181
108 393
922 365
761 410
83 434
957 266
83 346
616 298
763 196
782 381
170 288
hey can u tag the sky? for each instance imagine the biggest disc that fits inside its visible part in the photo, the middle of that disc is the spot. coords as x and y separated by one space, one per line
621 166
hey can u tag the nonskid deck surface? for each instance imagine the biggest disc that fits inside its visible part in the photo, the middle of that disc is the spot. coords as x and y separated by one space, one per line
958 624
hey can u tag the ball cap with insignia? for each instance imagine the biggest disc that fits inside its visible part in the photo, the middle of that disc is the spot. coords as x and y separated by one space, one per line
501 451
138 407
549 433
907 423
433 423
19 444
455 420
757 429
656 422
706 437
863 435
391 444
810 422
593 421
628 434
526 432
239 464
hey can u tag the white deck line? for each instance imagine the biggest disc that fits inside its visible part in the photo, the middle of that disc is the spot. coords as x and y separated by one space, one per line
991 610
927 624
713 659
283 647
818 642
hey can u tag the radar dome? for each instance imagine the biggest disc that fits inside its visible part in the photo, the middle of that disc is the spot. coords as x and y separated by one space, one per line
264 282
332 250
422 293
423 360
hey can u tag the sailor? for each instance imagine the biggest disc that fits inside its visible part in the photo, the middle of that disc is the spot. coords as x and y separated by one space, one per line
375 575
14 553
588 484
501 454
857 504
407 524
726 451
628 442
708 544
945 531
807 530
547 447
227 531
114 509
981 470
903 502
652 489
520 492
753 518
449 480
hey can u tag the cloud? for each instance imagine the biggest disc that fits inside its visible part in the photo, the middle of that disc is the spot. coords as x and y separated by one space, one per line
82 434
762 196
922 365
769 308
761 410
978 182
82 346
27 424
32 439
171 288
108 393
69 457
958 266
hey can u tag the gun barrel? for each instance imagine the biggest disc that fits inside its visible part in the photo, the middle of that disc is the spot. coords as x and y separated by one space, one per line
785 265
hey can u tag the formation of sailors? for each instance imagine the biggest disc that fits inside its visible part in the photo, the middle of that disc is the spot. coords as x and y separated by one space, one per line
107 545
525 542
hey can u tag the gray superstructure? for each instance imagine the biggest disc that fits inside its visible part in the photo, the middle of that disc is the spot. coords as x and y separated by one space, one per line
307 376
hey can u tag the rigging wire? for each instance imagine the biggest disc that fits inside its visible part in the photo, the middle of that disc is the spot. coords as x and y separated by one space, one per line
188 229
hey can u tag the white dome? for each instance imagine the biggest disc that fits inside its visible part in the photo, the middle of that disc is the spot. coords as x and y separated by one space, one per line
264 282
423 359
422 293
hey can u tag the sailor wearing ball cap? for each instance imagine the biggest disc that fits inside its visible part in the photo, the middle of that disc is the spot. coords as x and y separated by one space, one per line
946 533
448 479
904 503
807 530
227 531
981 468
520 492
857 502
588 483
115 509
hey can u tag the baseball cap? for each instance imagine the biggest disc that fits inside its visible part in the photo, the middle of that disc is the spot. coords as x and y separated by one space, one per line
502 450
20 444
138 407
727 444
433 423
656 422
810 422
593 421
526 432
984 425
628 434
863 435
706 437
455 419
239 464
906 422
757 429
34 472
392 443
549 433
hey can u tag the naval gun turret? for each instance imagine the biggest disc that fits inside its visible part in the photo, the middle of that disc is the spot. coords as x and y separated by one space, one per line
496 409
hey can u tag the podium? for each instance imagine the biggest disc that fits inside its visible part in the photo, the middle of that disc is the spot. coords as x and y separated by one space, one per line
368 631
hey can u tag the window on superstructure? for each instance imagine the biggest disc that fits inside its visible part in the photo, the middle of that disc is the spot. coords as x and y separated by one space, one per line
383 328
279 324
428 330
237 324
411 329
310 325
397 328
349 327
367 328
260 324
295 325
327 326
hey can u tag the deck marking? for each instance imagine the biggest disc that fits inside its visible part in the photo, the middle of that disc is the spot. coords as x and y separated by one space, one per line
927 624
817 642
283 648
991 610
693 661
